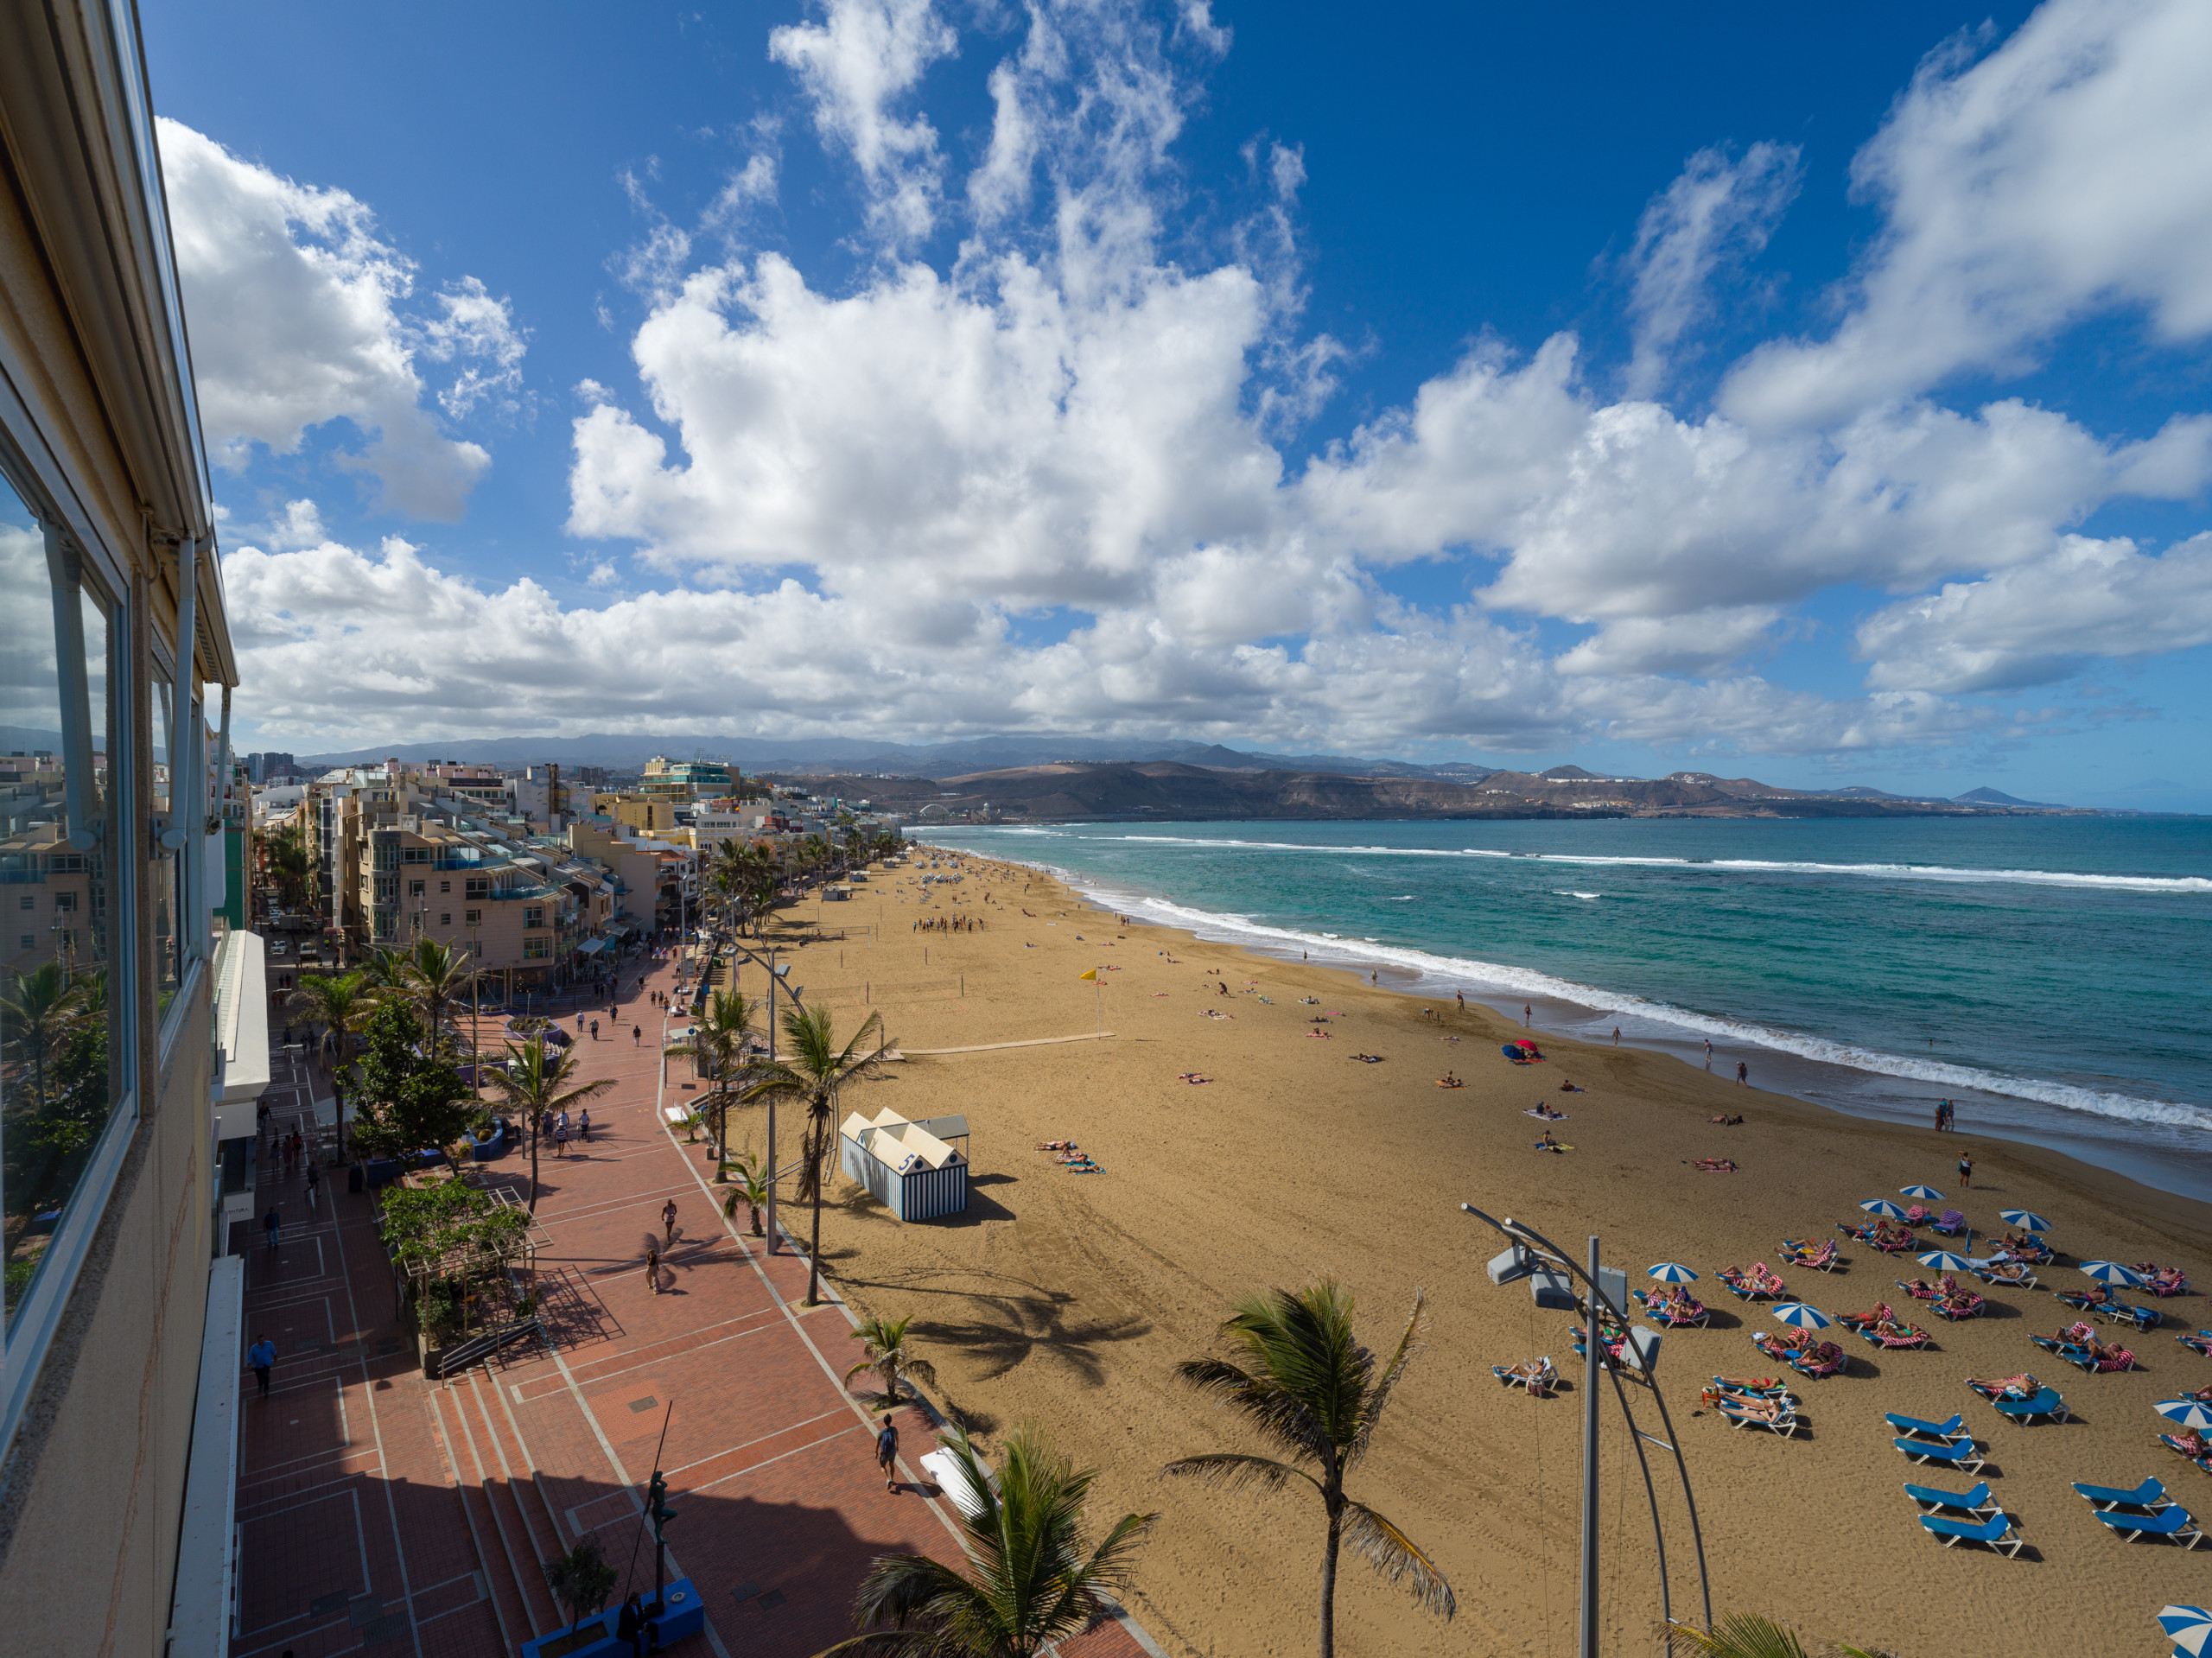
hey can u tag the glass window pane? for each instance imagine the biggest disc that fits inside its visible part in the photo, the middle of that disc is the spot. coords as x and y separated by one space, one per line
57 1049
164 873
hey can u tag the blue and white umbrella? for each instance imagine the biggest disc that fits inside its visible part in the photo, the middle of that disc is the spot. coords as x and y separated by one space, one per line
1925 1194
1883 1207
2111 1271
1944 1262
2033 1222
1803 1317
2190 1628
1672 1271
2189 1412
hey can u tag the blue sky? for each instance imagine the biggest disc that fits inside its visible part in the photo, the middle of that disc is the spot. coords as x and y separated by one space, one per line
1699 388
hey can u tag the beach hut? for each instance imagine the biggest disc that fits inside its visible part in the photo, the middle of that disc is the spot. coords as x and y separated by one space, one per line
911 1170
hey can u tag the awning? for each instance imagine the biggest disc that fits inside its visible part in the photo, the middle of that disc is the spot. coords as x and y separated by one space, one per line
591 947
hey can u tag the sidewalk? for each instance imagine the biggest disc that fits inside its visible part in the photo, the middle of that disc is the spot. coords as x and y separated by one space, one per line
381 1512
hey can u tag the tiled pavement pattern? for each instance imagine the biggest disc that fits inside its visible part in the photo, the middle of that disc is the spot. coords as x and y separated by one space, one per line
380 1512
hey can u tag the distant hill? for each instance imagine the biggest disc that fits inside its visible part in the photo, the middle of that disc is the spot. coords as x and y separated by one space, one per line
1995 797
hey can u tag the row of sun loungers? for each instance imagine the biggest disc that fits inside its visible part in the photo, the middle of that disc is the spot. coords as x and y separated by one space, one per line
1820 1360
2147 1511
1952 1517
2110 1312
1882 1328
2074 1346
1945 1298
1974 1516
1752 1283
1768 1405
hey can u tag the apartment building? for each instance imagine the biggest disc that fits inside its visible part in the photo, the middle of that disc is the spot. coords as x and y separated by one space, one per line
128 1025
687 780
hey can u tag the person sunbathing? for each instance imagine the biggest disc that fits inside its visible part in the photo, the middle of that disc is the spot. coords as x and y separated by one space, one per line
1534 1375
2190 1442
1725 1119
1569 1088
1881 1315
2010 1271
1762 1410
1547 1144
1748 1384
1447 1080
2019 1387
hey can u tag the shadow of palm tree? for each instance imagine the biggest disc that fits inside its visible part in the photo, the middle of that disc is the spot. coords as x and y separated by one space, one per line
1008 1330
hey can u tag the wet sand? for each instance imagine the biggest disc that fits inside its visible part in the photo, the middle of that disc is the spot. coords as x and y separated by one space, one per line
1065 1299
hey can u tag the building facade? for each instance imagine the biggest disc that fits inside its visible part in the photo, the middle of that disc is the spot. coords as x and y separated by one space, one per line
116 1053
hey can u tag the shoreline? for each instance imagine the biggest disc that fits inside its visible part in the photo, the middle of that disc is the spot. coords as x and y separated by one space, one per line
1068 1301
1853 1089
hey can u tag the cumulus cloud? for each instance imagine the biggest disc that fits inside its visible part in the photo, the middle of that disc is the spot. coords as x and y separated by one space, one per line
342 647
1068 420
2068 171
298 317
1716 213
2041 622
857 64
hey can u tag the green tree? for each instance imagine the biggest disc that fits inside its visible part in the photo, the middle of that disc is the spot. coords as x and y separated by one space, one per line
1308 1388
750 1188
717 1042
408 1098
581 1580
342 1004
38 1011
435 976
1031 1579
814 1070
890 1355
535 1082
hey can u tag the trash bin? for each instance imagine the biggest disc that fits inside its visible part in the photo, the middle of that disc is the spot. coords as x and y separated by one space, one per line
353 1177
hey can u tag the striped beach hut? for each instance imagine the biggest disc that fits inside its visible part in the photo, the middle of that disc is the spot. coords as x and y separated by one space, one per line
915 1174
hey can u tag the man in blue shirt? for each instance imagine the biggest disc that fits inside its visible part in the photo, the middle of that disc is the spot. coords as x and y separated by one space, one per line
260 1357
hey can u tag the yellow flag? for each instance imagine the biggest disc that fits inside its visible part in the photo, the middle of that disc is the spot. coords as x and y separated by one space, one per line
1092 975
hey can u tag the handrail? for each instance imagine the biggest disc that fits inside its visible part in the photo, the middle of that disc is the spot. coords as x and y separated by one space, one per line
482 1347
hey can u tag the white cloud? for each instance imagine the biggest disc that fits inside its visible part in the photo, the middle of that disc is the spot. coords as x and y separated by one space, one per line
2040 622
342 648
856 65
295 311
1068 418
2068 171
1718 212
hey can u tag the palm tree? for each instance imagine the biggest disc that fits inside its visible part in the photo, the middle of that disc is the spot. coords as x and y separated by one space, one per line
535 1082
718 1037
888 1356
750 1188
343 1004
815 1071
1311 1388
1030 1581
1747 1635
38 1010
437 976
384 974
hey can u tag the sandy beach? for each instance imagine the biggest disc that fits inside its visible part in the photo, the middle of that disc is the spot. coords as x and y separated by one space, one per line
1065 1299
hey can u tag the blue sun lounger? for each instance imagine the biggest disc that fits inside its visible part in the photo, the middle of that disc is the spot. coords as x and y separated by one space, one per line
1953 1429
1996 1531
1978 1501
2045 1403
2150 1496
2170 1521
1960 1454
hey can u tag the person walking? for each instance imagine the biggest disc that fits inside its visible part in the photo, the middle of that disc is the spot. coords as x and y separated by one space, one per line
271 1224
652 1267
259 1358
1528 1014
1708 1053
314 1185
1743 1074
886 1453
1617 1036
594 1030
1965 1171
561 1140
668 1220
636 1034
584 1123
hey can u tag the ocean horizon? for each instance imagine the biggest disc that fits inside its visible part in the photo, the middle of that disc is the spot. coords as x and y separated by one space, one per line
2044 973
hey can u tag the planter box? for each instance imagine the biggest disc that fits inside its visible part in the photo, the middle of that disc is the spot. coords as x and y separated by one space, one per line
683 1614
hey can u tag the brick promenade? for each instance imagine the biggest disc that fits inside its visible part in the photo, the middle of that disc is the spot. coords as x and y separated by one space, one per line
382 1513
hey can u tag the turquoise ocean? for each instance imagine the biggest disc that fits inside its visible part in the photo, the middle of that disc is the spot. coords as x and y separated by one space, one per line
2050 975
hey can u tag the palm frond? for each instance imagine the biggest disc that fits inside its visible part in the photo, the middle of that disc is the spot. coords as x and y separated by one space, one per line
1230 1470
1740 1634
1409 1344
1396 1556
1269 1407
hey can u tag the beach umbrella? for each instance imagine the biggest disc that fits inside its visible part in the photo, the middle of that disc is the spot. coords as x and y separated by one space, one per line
1883 1207
1804 1318
2187 1413
1672 1271
2034 1223
2190 1628
2111 1271
1925 1194
1944 1262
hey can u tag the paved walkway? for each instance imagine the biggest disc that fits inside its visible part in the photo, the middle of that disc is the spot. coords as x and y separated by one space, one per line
380 1512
